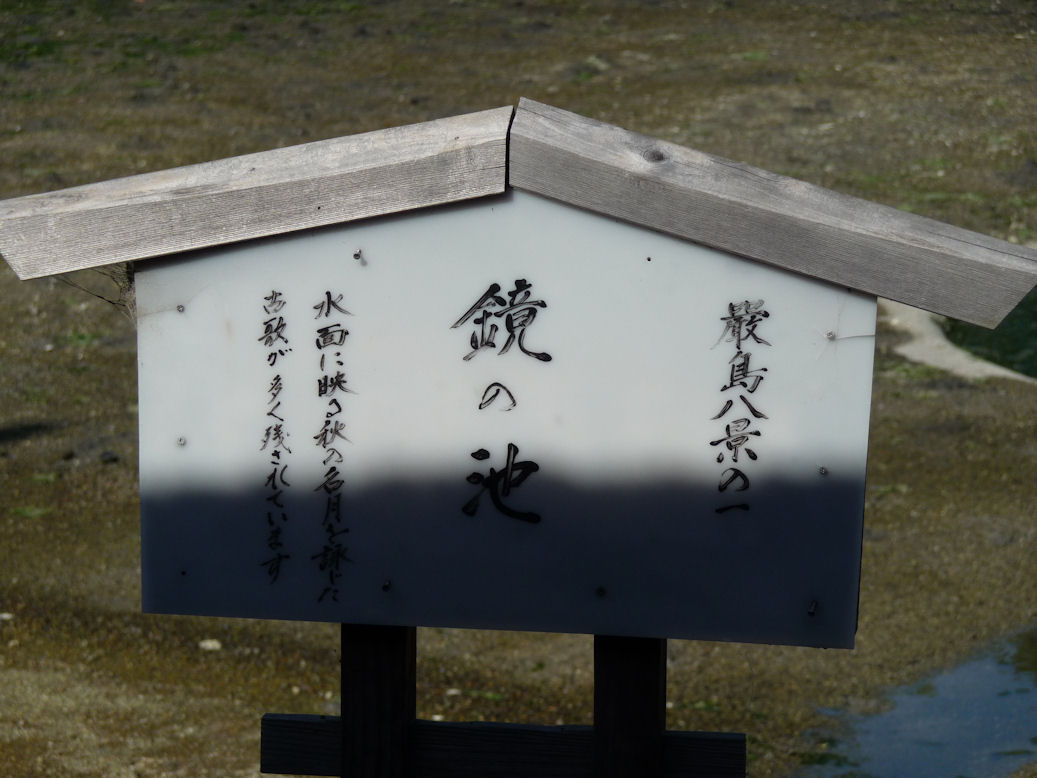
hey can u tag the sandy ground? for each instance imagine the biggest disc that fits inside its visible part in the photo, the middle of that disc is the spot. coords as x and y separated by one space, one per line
926 106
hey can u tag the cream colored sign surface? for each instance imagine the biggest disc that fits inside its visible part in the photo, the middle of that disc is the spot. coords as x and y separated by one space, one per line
506 414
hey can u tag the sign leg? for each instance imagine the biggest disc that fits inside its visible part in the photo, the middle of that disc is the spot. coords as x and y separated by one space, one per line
378 700
629 706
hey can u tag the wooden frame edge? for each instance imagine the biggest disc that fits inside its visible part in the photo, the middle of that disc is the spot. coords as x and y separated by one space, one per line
257 195
767 217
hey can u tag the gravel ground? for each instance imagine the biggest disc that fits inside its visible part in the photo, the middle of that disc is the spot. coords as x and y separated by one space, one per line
923 105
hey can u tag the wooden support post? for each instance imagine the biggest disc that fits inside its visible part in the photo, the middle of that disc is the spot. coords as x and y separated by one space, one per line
378 736
629 706
379 682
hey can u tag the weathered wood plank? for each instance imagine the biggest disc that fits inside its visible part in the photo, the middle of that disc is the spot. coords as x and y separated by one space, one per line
767 217
308 745
255 195
300 744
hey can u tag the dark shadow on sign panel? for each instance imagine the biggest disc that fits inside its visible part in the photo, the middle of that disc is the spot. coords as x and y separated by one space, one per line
655 559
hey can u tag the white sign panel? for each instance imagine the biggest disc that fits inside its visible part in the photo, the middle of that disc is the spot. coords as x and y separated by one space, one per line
506 414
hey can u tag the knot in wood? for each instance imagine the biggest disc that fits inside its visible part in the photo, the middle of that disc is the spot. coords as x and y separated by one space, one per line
653 155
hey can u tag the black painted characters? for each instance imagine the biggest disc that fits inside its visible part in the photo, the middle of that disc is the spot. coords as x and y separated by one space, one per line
330 341
275 435
516 312
733 447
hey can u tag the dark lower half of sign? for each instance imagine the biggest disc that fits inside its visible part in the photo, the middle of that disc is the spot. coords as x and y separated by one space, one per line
658 560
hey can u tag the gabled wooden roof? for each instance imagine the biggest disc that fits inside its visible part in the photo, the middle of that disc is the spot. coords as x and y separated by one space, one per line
641 180
256 195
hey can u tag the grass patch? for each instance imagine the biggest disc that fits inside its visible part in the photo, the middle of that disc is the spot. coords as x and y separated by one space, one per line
30 512
79 339
33 394
752 56
1013 344
23 49
925 689
824 756
484 695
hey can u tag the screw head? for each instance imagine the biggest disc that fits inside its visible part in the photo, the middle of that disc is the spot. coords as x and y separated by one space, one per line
180 309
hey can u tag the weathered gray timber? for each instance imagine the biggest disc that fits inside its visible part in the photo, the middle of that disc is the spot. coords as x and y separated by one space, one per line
713 201
256 195
303 744
767 217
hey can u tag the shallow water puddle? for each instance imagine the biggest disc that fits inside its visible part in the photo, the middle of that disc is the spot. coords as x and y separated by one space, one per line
978 720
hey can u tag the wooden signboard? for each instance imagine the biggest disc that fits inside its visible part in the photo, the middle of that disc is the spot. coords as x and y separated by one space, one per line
505 414
622 389
626 394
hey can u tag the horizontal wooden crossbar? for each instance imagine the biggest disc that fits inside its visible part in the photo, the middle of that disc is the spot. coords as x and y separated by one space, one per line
311 745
